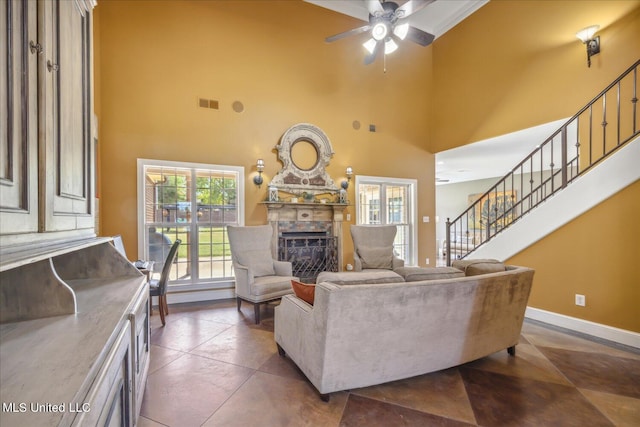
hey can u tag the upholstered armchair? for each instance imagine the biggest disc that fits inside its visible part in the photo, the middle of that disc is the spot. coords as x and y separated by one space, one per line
259 277
373 247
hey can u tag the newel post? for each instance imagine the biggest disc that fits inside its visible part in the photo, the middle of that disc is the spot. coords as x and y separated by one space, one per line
448 240
564 156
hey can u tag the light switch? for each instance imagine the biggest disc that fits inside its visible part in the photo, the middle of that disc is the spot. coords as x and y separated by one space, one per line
348 217
425 218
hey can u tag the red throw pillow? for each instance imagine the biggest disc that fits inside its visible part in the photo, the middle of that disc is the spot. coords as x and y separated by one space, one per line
304 291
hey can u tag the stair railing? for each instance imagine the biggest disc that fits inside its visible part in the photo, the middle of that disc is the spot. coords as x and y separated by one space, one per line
605 124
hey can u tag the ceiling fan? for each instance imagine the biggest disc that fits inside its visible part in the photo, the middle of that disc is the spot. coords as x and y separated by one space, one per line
388 22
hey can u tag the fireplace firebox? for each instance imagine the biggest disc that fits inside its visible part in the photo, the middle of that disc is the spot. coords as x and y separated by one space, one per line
309 252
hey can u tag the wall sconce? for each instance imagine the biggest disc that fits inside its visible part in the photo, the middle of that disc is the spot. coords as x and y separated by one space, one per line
349 172
592 43
257 180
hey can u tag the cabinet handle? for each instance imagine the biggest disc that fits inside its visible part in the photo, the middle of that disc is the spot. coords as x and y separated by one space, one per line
52 67
35 47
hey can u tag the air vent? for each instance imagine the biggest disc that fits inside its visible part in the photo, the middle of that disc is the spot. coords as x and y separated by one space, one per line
208 103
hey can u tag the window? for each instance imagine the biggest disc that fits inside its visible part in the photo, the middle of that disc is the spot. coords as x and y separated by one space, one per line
194 203
390 201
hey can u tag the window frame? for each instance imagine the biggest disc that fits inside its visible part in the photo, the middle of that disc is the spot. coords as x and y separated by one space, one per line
412 213
191 284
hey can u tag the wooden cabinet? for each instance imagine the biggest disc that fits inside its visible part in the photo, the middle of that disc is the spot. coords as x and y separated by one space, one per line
18 118
46 144
64 76
74 330
74 319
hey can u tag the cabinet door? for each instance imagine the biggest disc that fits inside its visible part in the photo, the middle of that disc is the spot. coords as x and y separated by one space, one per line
139 318
108 402
18 117
65 103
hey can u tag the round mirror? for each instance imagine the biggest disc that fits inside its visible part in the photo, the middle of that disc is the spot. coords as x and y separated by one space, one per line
304 154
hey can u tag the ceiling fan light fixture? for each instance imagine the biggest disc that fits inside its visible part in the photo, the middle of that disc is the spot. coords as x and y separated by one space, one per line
401 30
370 45
390 46
379 31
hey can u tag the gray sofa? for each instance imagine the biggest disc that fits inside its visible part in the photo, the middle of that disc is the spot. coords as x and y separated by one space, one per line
358 334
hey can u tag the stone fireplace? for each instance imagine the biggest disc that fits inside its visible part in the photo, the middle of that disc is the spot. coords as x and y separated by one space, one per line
308 235
304 206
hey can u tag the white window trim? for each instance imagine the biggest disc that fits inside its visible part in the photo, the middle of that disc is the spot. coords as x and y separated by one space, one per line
413 211
167 163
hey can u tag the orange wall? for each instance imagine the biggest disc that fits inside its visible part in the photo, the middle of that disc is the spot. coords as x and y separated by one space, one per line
511 65
157 58
596 256
518 64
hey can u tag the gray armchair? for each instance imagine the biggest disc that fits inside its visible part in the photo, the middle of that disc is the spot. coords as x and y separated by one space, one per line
373 247
259 277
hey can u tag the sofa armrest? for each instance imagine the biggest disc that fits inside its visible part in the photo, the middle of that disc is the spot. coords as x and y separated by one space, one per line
300 329
397 262
282 268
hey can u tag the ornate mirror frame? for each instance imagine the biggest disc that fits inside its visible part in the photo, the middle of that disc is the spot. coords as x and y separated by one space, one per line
292 178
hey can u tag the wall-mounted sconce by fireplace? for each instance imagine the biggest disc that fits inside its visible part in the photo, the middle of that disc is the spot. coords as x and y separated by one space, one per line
257 180
349 172
592 43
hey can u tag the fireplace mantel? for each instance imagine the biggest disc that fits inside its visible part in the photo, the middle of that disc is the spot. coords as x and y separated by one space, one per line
286 217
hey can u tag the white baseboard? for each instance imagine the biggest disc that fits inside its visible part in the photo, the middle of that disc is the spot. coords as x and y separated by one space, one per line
195 296
609 333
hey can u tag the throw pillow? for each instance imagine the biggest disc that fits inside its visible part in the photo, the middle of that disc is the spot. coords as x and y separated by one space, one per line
259 261
376 257
305 292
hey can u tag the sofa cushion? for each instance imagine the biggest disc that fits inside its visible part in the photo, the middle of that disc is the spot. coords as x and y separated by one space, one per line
376 257
304 291
259 261
415 274
474 267
359 277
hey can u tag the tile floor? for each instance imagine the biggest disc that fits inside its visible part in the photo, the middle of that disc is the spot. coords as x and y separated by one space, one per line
212 366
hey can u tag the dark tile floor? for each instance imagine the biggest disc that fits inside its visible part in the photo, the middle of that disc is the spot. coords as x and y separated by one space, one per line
212 366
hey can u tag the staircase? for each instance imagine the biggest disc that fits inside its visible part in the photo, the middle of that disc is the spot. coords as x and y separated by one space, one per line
591 157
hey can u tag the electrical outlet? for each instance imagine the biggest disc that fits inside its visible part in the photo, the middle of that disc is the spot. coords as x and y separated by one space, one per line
580 300
427 261
348 217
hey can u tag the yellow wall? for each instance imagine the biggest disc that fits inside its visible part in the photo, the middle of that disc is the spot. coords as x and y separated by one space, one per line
518 64
157 58
511 65
595 255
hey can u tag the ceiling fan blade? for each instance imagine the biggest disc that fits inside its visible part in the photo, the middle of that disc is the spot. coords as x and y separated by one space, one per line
411 7
421 37
374 6
348 33
372 56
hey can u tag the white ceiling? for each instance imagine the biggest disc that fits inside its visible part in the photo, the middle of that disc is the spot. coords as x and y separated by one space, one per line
492 157
436 18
